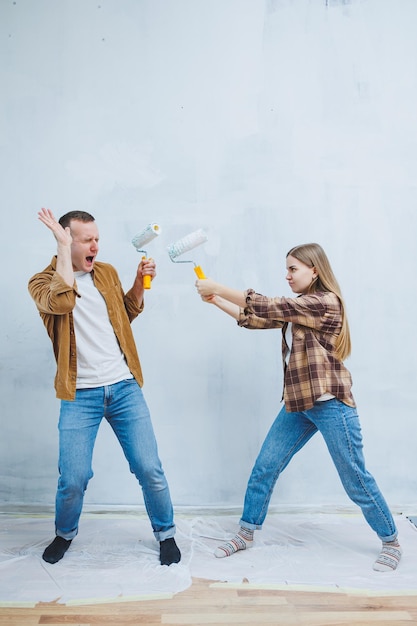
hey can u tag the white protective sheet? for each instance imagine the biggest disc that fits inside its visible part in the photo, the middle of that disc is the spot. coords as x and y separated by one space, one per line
115 556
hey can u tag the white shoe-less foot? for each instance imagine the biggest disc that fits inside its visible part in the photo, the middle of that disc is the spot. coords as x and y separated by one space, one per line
389 557
232 546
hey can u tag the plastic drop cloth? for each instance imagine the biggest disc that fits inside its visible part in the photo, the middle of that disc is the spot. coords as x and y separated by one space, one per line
116 558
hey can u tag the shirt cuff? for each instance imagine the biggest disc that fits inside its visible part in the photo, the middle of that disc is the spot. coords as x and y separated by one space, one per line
247 311
59 286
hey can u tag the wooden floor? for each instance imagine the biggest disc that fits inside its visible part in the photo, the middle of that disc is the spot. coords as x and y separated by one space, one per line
206 602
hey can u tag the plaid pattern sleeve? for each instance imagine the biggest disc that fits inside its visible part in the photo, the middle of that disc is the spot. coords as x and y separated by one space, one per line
313 368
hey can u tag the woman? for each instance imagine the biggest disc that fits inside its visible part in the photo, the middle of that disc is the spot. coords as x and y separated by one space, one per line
317 393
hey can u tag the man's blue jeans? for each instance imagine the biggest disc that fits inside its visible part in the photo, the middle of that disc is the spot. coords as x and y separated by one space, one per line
125 409
339 424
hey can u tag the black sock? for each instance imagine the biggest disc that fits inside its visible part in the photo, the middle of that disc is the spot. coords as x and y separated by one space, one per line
56 550
169 552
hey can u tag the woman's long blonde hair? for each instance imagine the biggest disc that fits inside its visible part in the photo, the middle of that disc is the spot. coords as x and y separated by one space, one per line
313 255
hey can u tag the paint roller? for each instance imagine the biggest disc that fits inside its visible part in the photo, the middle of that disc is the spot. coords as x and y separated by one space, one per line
140 240
185 245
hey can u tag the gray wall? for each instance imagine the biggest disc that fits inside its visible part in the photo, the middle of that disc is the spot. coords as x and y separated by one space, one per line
267 123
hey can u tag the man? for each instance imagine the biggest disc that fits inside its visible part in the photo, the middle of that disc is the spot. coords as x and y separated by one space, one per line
87 316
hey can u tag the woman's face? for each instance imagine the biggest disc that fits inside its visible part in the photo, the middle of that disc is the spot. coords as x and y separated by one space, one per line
299 275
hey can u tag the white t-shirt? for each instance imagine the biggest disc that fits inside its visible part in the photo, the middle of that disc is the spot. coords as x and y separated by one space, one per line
99 358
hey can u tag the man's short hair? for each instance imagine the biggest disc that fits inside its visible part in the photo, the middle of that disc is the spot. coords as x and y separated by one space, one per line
81 216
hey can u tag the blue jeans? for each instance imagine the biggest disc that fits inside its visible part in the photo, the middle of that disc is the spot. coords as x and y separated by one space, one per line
340 427
125 409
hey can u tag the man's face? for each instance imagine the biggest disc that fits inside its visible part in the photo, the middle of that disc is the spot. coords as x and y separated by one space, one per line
84 247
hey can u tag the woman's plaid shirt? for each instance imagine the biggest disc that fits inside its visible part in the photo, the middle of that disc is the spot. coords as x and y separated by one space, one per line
312 368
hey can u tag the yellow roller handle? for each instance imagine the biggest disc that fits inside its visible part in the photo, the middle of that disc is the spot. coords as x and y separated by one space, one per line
146 279
199 272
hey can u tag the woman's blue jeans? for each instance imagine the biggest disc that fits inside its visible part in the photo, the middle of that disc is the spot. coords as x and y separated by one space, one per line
125 409
339 424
